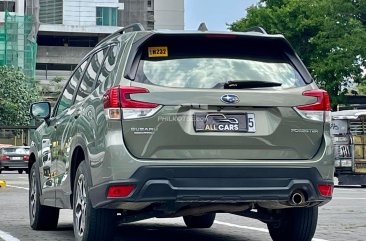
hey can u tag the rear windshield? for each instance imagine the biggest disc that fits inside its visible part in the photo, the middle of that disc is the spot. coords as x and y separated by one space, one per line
15 150
212 63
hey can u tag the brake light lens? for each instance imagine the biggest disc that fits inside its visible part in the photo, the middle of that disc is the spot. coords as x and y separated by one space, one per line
4 158
120 191
317 111
325 190
26 158
118 103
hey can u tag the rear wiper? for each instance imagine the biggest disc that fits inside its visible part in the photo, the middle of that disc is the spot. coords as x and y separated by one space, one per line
247 84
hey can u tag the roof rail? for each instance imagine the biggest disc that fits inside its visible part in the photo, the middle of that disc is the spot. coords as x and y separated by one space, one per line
134 27
256 29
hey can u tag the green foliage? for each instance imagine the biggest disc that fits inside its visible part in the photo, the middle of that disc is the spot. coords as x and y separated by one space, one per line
58 86
328 35
16 95
57 79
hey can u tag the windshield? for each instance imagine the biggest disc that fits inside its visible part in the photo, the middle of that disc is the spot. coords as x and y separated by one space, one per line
15 150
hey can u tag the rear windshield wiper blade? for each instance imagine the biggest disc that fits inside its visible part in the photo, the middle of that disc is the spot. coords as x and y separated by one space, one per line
243 84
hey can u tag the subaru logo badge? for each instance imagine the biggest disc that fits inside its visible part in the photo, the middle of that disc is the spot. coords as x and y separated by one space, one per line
230 99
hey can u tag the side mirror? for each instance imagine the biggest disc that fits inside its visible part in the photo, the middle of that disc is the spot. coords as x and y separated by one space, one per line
41 110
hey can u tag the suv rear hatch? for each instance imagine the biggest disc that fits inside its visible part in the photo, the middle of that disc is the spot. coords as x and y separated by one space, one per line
210 96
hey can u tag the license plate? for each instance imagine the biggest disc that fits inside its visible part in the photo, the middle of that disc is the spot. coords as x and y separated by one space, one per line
16 158
224 122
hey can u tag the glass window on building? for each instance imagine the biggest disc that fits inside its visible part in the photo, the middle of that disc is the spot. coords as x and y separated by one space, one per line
106 16
7 6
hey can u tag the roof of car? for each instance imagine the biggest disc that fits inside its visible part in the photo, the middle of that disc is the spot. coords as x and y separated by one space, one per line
255 32
5 145
219 33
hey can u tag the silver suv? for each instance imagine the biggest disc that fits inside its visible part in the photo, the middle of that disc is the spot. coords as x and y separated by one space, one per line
169 124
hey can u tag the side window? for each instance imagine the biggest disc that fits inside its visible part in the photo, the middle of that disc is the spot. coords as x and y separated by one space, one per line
67 96
108 65
87 84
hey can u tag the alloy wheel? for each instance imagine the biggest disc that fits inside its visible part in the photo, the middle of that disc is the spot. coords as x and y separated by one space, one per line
80 205
33 195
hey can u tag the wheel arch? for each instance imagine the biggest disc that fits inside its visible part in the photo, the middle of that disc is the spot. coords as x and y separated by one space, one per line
31 161
79 154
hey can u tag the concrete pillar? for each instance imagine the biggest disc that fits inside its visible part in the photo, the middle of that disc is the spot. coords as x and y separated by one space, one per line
19 7
19 11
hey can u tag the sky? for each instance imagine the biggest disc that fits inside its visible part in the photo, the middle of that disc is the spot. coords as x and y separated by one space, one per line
215 13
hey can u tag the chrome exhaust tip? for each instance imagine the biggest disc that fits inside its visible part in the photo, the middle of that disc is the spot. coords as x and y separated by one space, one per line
297 198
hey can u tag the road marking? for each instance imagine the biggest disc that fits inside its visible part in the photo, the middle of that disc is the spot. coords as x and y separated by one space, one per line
7 237
346 198
347 189
25 188
264 230
242 227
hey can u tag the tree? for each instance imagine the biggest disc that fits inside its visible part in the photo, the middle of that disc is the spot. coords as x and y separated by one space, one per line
52 90
16 95
329 36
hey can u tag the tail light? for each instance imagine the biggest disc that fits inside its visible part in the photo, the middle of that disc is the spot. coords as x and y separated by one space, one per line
120 191
118 103
325 190
26 158
4 158
317 111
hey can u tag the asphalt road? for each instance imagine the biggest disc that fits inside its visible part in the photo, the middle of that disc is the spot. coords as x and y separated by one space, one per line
344 218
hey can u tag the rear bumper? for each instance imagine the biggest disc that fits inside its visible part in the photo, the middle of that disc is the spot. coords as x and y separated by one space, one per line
220 184
13 165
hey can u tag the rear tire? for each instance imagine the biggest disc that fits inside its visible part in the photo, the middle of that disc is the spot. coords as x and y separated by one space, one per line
20 171
90 224
41 217
203 221
296 224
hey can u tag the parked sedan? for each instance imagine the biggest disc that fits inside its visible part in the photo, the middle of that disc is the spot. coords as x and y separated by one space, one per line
14 158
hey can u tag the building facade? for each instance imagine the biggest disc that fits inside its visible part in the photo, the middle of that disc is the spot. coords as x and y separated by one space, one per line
17 48
168 14
15 7
153 14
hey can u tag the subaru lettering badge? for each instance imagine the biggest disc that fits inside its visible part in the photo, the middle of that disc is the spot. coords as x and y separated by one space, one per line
230 99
